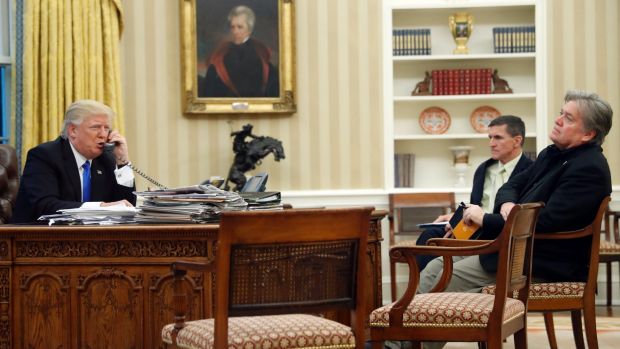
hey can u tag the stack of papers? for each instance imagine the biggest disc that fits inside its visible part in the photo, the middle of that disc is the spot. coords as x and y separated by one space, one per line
101 215
194 204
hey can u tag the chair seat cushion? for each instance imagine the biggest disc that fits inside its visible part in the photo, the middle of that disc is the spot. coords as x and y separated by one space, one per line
448 309
273 332
548 290
609 247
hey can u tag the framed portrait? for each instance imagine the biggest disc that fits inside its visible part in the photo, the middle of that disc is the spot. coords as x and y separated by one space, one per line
237 56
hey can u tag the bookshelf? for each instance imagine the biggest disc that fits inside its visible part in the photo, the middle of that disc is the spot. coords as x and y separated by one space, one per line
524 71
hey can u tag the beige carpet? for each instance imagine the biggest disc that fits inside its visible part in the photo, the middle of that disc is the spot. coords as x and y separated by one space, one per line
608 329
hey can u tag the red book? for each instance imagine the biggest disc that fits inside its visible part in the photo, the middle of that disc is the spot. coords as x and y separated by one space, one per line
489 79
453 82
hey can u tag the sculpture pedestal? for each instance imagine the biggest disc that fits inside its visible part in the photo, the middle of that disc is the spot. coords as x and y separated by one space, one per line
460 170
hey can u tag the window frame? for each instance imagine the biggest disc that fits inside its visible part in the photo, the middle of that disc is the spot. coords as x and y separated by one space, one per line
7 47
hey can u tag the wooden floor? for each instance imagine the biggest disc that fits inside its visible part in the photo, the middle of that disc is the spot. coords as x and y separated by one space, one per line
613 311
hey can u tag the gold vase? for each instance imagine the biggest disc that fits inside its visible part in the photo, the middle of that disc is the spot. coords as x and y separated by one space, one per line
461 25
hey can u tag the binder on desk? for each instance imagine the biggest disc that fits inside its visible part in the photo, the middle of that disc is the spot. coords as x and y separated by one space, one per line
261 197
266 200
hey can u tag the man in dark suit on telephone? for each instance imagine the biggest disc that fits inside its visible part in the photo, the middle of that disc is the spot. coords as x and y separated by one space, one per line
74 170
506 137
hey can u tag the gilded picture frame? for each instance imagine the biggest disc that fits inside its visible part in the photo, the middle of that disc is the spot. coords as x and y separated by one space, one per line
210 83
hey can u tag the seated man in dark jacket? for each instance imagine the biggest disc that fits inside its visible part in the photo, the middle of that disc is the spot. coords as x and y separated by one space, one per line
506 137
73 170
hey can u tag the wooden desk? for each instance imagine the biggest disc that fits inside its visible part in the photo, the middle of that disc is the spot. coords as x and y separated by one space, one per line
109 286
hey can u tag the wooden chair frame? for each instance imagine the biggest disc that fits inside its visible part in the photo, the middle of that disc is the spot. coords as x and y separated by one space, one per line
412 200
514 246
576 305
611 216
275 228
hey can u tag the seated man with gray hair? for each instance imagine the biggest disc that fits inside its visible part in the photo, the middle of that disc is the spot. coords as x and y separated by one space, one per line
73 170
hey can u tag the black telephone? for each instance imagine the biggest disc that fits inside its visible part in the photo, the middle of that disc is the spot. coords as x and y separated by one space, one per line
256 183
109 147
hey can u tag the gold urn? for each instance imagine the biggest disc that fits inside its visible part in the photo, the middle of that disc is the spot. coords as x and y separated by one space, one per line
461 25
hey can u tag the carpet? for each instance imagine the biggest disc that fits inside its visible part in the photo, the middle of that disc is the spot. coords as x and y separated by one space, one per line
607 328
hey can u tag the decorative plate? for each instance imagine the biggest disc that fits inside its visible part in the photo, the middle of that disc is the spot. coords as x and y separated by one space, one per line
481 117
434 120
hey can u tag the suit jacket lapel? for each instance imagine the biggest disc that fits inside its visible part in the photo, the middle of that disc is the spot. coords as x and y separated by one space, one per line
70 167
522 164
97 180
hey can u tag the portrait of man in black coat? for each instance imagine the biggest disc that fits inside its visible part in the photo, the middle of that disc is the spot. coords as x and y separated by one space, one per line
240 65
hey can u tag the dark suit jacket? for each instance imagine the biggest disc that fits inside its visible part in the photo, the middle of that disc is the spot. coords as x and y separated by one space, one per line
240 71
475 198
572 183
478 185
51 181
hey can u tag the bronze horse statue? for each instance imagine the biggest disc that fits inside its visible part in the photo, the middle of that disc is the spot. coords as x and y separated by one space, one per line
248 155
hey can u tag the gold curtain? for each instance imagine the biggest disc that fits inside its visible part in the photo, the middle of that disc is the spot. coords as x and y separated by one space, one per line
71 52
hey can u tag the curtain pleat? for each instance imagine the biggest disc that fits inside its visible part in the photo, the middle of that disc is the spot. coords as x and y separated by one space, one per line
70 52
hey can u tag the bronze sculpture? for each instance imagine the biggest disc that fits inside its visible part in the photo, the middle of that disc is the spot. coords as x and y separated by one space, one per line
249 154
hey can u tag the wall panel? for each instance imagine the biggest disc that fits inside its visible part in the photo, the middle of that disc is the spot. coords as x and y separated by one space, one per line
334 141
584 53
330 143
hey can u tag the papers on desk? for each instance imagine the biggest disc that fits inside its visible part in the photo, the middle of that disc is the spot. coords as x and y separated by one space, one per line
103 215
116 210
197 203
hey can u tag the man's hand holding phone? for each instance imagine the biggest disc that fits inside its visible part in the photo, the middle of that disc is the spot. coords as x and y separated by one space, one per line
121 152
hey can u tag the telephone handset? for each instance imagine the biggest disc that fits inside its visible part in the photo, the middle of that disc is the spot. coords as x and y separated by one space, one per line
109 147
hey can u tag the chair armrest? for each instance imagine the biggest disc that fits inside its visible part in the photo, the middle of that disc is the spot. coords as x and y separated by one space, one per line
456 242
460 248
564 234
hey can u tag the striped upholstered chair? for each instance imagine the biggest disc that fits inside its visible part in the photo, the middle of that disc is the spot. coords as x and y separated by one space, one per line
464 317
576 297
609 252
273 272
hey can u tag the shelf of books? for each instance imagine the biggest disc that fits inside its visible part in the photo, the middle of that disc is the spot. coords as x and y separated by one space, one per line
450 67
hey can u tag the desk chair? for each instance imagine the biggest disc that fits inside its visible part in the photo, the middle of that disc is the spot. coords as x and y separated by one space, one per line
610 247
9 182
409 209
456 316
576 297
283 266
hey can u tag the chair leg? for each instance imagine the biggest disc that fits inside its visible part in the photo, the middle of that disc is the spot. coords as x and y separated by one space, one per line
393 279
575 316
608 272
553 343
495 343
589 321
521 339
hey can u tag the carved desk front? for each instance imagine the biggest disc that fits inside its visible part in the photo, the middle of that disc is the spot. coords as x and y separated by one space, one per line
109 286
